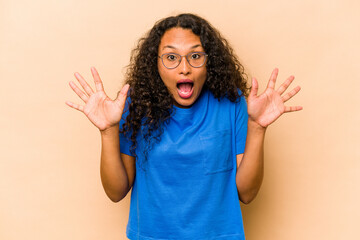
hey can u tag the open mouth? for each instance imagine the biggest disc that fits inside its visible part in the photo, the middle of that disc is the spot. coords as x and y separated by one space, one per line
185 88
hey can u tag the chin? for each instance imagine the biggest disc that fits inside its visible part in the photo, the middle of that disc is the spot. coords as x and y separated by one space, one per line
184 103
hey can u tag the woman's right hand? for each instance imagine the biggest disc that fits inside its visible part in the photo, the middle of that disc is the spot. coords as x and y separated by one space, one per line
102 111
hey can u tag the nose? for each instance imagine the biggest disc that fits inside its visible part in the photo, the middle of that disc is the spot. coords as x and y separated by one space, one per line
184 66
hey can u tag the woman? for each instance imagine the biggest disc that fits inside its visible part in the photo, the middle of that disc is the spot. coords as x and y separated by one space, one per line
189 147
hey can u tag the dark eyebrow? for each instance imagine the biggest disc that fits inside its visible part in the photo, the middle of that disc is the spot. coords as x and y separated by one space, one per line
195 46
172 47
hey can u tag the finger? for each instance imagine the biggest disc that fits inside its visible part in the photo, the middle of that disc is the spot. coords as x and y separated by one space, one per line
272 79
285 85
121 97
84 84
293 109
98 83
291 94
254 87
75 106
77 90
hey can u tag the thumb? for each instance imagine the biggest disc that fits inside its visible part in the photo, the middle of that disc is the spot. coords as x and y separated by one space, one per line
121 97
254 88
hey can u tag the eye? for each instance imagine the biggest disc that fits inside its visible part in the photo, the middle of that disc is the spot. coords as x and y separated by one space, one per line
171 57
195 56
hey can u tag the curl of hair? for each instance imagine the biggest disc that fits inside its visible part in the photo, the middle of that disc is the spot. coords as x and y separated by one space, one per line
151 103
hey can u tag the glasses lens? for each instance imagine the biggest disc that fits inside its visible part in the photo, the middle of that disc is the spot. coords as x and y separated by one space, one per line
196 59
171 60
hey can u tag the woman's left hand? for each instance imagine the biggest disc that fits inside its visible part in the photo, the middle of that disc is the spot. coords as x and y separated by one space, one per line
269 106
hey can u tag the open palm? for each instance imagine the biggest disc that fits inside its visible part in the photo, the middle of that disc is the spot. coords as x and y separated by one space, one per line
269 106
102 111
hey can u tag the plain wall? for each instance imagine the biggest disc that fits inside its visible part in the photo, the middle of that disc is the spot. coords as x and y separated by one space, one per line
49 168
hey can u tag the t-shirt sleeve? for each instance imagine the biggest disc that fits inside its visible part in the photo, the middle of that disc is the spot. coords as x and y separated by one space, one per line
125 143
241 124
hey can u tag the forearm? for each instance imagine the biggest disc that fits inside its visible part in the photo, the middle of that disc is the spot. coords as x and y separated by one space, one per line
113 174
250 171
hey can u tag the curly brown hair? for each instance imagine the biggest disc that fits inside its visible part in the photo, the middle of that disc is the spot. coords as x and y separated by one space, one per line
150 102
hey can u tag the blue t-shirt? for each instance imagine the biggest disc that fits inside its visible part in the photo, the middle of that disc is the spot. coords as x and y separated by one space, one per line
186 188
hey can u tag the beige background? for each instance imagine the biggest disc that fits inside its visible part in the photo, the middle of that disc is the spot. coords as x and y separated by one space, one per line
49 169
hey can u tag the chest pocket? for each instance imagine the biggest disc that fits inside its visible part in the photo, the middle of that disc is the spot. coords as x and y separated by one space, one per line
216 149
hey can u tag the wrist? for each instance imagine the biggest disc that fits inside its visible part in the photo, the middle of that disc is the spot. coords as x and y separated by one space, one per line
254 126
110 131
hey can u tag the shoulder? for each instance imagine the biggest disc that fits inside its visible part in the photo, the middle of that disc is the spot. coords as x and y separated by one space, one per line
225 100
125 112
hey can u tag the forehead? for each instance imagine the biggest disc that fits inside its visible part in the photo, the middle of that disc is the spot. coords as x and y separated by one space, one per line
179 38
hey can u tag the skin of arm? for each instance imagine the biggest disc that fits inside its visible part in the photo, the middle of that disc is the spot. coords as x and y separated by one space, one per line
117 170
250 165
263 110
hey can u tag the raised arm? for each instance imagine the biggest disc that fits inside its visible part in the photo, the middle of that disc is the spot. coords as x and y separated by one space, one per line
117 170
263 110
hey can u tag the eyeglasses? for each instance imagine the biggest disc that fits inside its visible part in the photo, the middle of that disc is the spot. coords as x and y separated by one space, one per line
172 60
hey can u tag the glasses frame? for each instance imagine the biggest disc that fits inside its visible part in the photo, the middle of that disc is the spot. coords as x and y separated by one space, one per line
181 57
